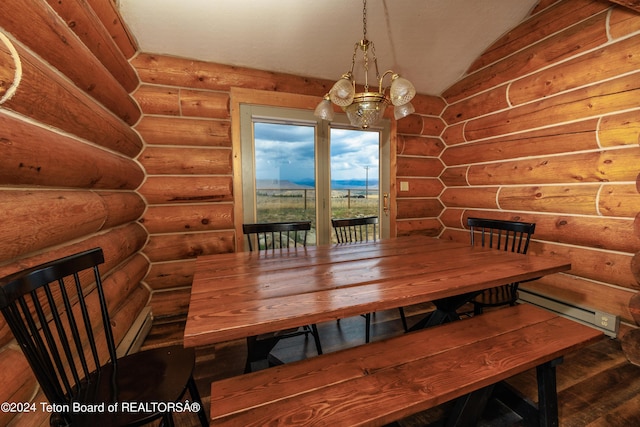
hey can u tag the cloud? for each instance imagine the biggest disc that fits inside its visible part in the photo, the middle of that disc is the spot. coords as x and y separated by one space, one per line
286 152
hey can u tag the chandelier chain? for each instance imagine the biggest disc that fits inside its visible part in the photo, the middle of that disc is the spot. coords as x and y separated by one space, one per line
364 19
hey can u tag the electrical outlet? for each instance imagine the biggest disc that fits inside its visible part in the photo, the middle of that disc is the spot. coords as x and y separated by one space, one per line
607 321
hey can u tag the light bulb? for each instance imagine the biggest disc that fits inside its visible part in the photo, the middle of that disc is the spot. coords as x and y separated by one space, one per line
342 91
324 110
402 90
400 111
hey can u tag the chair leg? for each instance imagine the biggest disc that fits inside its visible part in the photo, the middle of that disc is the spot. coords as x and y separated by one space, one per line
367 322
477 309
316 338
195 397
404 319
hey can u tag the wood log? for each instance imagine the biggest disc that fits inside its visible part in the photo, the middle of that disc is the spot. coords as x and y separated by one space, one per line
428 105
581 37
178 131
477 105
631 4
18 382
107 12
415 124
419 166
120 284
33 155
173 71
162 100
582 167
36 25
25 231
619 129
631 346
635 268
578 71
484 197
619 200
168 275
187 189
124 317
589 263
452 217
10 69
418 208
199 103
544 22
166 100
599 99
427 226
117 244
73 111
455 176
121 207
634 307
412 145
585 293
623 22
191 217
566 138
169 247
604 233
571 199
453 134
173 303
420 187
84 22
159 160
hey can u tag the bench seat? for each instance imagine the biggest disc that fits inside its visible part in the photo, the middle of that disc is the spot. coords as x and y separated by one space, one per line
384 381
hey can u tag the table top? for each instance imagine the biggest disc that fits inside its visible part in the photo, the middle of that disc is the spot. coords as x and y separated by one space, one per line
244 294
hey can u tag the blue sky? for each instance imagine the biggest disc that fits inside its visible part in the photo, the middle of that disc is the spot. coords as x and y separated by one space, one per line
285 152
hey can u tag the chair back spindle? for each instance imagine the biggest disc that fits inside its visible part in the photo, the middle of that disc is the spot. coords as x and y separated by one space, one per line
502 235
351 230
276 235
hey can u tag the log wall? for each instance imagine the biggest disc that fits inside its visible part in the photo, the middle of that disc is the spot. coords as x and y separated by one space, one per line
68 173
545 128
188 157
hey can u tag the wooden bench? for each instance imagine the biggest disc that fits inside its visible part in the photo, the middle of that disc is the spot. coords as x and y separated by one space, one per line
384 381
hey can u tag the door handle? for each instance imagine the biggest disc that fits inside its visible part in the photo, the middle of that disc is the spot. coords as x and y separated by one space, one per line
385 203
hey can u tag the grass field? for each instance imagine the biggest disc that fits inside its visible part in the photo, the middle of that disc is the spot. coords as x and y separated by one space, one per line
291 205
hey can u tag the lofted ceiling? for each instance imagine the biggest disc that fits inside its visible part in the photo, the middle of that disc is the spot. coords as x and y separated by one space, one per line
430 42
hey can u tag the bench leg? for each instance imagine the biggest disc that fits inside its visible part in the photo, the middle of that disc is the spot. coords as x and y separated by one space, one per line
547 394
468 409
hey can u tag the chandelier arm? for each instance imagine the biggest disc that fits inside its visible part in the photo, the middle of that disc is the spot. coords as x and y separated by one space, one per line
381 79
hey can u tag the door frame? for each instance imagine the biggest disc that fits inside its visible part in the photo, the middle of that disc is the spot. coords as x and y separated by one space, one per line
239 96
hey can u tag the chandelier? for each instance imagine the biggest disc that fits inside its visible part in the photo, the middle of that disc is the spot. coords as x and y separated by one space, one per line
365 109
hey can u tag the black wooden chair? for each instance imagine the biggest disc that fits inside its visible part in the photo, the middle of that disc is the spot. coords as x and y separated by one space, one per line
501 235
276 236
58 314
364 229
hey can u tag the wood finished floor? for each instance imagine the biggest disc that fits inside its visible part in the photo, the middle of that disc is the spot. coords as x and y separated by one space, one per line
597 386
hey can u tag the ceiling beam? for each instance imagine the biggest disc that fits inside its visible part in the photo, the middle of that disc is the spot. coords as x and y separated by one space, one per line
631 4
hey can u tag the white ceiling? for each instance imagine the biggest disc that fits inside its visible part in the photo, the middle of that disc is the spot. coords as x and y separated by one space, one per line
430 42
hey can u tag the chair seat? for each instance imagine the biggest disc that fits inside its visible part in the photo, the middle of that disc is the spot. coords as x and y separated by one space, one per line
156 376
500 295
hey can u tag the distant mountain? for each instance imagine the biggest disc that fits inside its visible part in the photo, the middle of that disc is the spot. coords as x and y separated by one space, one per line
280 184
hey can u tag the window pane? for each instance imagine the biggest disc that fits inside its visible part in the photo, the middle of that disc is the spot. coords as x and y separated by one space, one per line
285 174
355 157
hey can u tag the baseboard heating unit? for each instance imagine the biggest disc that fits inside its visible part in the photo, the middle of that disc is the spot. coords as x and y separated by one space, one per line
607 323
134 338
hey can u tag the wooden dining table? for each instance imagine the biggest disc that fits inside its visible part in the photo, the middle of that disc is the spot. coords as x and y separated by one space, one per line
244 294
